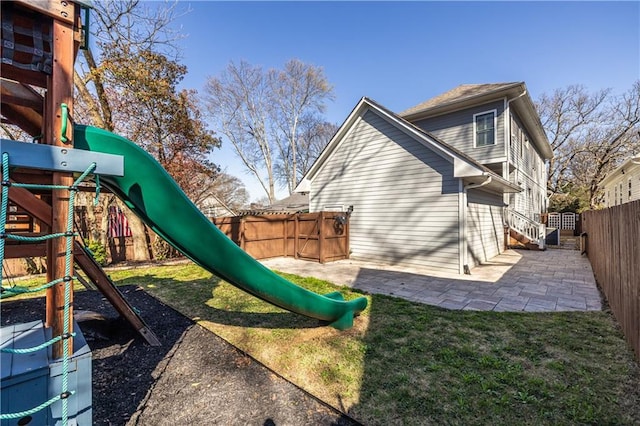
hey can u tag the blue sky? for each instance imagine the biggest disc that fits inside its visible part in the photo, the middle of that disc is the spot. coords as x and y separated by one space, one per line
402 53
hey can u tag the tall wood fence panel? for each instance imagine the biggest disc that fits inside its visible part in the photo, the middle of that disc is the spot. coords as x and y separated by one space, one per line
613 247
321 236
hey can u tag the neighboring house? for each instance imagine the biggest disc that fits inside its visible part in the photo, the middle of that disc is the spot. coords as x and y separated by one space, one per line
212 207
623 184
298 202
429 187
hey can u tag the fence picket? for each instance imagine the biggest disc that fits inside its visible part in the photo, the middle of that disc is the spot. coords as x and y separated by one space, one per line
613 248
314 236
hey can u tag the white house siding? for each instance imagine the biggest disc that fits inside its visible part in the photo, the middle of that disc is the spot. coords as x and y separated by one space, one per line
485 226
404 196
528 171
623 187
531 200
456 129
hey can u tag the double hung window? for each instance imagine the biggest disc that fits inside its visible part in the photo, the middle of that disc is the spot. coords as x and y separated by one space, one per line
484 126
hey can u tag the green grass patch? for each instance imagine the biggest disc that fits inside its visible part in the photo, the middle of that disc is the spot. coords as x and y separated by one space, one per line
408 363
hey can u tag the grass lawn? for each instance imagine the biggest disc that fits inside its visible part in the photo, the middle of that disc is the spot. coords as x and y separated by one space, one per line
408 363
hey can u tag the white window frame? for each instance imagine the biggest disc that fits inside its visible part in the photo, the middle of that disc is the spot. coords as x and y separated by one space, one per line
495 128
620 192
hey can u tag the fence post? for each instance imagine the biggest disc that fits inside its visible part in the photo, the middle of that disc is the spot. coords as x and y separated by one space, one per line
285 227
346 237
296 236
241 231
321 254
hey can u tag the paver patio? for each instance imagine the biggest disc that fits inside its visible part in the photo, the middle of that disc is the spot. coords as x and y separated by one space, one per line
516 280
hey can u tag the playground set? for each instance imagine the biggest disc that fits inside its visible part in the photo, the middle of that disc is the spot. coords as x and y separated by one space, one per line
46 367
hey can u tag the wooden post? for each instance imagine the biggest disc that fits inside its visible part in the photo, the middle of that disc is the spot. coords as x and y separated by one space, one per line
285 228
59 91
242 244
321 249
346 237
296 236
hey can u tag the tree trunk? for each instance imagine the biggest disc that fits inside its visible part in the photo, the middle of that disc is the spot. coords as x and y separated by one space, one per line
141 251
104 202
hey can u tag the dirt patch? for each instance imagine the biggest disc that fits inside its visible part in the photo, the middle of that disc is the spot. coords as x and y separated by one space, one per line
195 377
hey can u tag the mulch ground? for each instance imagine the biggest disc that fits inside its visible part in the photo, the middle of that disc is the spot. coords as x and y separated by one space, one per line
194 378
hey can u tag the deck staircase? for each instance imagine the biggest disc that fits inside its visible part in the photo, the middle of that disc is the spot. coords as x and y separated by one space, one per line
526 231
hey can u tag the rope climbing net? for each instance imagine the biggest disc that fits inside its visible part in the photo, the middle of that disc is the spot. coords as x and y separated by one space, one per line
67 279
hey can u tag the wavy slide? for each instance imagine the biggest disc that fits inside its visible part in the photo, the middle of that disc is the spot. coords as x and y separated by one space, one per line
148 190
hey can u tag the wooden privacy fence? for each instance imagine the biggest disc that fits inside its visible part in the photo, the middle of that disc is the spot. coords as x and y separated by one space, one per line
321 236
613 247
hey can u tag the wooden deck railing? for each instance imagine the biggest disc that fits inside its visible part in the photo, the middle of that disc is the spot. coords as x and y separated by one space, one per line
534 231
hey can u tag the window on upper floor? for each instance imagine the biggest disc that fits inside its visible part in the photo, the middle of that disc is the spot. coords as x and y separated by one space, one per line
484 126
620 192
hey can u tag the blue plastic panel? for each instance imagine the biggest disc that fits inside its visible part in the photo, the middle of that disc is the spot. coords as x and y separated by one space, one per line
24 381
28 380
48 157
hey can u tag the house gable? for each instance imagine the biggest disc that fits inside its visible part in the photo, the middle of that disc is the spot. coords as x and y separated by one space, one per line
457 129
511 95
622 185
463 166
405 198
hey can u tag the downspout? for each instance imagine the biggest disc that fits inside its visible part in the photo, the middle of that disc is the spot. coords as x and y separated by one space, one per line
465 266
478 185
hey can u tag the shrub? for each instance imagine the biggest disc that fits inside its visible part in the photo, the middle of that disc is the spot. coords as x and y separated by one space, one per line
161 249
98 251
35 265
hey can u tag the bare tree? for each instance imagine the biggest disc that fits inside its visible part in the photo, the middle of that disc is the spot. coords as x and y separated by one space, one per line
298 92
590 134
608 143
238 101
262 113
313 136
566 116
230 190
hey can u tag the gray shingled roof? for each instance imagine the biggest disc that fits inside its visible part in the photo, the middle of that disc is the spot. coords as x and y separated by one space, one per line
457 94
295 200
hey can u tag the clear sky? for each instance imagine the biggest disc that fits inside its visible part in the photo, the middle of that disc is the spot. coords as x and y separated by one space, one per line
402 53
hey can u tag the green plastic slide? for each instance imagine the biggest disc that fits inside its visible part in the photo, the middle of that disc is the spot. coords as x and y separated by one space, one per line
148 190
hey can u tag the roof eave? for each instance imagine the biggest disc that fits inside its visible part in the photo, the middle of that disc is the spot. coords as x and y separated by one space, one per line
633 161
463 168
533 124
457 104
496 183
521 99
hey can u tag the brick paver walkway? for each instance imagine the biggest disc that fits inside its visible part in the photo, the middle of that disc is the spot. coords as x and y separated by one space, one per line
517 280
